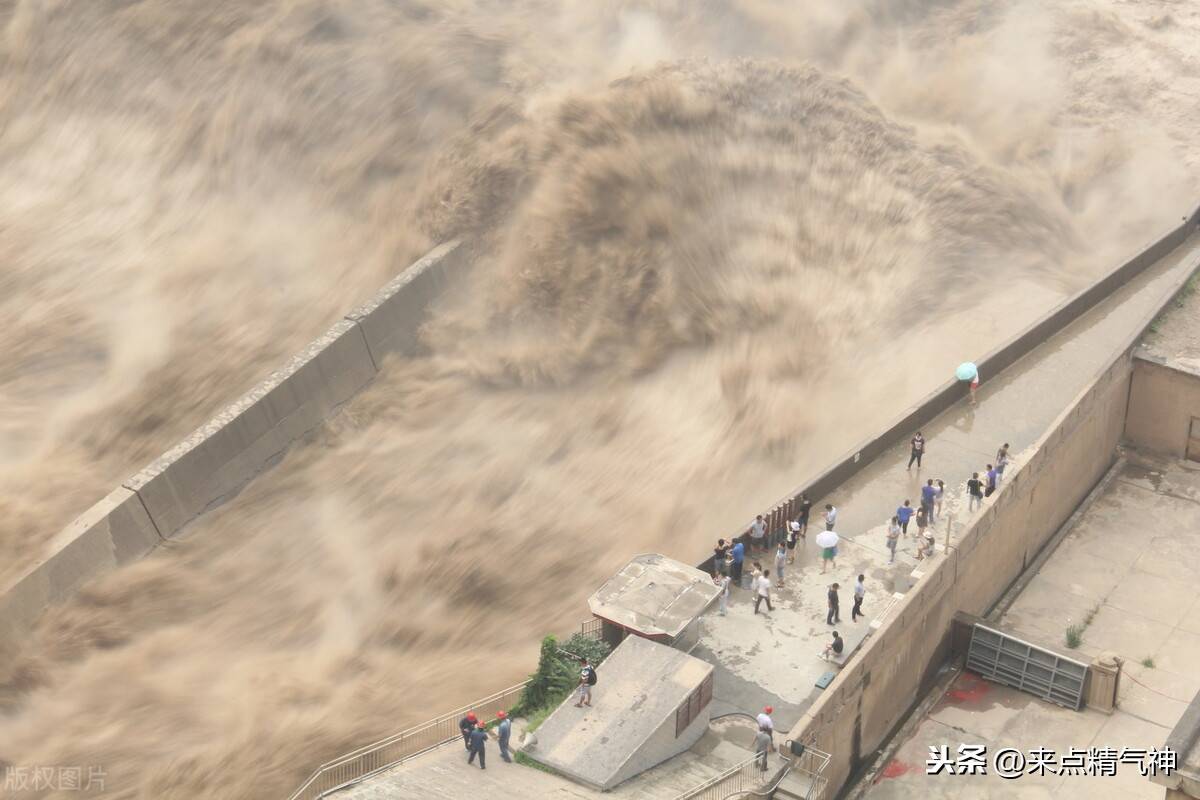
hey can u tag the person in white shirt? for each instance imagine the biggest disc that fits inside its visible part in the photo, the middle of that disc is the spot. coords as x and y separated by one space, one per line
860 591
723 582
765 722
763 586
830 515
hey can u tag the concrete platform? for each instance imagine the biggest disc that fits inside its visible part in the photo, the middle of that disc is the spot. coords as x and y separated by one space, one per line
631 724
1125 559
443 774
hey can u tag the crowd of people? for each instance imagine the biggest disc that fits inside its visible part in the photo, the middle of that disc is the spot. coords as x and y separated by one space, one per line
730 557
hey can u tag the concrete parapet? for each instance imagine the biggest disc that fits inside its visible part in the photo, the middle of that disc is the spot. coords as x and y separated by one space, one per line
991 364
224 454
391 320
114 532
234 446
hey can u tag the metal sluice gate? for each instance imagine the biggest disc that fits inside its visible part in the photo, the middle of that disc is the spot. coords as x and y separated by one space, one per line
1013 662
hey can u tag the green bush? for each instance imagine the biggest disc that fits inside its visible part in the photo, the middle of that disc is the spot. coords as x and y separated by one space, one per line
595 650
557 674
1074 636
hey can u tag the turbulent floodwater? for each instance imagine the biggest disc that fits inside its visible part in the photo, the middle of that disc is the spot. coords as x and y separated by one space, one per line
718 242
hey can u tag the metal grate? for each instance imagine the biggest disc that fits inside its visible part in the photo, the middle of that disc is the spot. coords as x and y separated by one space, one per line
693 705
1013 662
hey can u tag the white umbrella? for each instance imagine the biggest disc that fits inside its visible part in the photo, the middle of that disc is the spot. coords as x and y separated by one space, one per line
827 539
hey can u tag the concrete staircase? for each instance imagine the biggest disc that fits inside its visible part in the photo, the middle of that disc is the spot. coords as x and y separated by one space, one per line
443 774
794 787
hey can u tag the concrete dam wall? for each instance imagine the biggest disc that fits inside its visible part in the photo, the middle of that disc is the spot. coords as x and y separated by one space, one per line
224 454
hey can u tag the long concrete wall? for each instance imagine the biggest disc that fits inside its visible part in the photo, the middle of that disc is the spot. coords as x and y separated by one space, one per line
894 667
991 364
1163 400
224 454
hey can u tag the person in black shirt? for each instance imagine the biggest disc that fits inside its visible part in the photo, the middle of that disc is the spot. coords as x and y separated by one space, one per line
720 552
466 725
974 492
805 509
918 450
477 739
833 615
836 647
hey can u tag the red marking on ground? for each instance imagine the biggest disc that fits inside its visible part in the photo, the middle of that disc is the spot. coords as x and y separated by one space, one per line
968 688
895 769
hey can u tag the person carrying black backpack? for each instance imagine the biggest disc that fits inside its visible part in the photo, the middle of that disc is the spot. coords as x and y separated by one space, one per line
587 679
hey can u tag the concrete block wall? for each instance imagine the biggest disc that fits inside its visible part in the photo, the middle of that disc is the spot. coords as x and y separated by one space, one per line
386 318
224 454
1163 399
233 447
663 744
114 532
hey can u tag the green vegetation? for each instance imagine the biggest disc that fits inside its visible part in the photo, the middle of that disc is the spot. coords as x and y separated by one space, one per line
1074 636
557 674
1075 632
521 758
1148 662
538 717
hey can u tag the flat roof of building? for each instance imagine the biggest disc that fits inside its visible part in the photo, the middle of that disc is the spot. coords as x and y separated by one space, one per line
654 595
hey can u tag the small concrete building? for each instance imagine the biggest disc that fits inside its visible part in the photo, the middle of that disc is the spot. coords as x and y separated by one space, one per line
651 702
654 597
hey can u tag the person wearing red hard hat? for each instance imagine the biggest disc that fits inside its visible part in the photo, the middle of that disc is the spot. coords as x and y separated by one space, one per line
475 744
465 726
503 732
765 722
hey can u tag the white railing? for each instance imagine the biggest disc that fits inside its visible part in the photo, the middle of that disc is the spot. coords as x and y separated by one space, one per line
745 776
374 758
748 778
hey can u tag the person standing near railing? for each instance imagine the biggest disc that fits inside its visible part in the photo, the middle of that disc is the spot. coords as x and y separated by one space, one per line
465 726
738 554
762 746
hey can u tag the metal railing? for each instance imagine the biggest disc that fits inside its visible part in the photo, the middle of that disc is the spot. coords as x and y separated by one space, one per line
374 758
811 763
592 628
748 779
745 776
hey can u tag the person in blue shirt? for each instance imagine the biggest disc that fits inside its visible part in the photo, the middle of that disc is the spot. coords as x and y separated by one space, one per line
503 732
478 738
928 494
904 514
739 554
